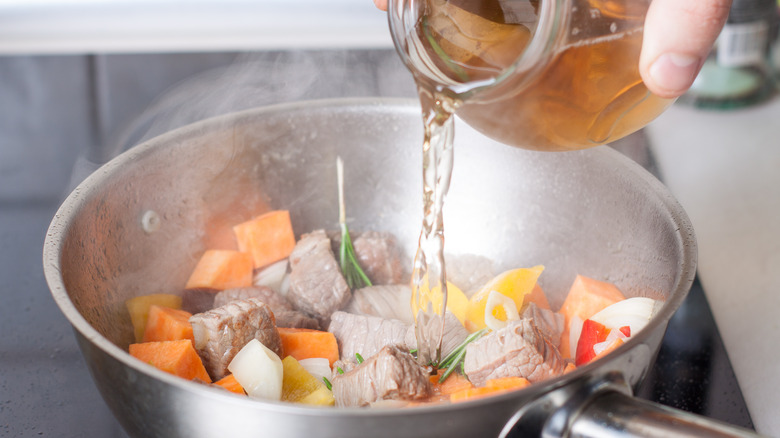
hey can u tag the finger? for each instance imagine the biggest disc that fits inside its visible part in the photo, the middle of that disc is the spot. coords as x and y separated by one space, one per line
677 38
381 4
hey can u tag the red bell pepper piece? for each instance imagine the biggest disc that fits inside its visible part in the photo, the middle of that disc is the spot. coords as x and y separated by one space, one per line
626 330
592 333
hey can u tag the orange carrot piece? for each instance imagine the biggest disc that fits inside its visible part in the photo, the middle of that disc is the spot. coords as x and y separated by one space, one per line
586 297
231 384
303 343
538 297
166 324
492 387
176 357
569 367
268 237
222 269
454 383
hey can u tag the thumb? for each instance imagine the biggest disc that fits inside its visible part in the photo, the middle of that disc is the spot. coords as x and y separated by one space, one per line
678 36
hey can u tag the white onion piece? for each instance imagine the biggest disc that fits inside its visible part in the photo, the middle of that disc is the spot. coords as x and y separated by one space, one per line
634 312
318 367
258 370
272 276
285 286
496 299
575 330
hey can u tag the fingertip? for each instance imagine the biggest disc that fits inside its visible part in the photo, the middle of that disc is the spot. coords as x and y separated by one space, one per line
671 74
381 4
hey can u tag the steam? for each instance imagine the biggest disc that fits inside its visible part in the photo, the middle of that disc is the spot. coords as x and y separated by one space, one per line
266 78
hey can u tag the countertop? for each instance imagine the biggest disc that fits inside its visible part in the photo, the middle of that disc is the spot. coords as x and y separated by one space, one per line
724 168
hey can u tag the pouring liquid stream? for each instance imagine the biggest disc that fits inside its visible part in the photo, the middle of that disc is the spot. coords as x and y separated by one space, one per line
429 280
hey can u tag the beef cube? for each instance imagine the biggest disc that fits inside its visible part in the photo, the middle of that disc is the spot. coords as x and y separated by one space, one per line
296 319
285 315
365 335
379 256
549 323
198 300
220 333
519 349
454 334
385 301
391 374
377 253
317 286
265 294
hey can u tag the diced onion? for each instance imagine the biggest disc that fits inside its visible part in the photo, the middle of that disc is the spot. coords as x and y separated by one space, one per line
575 330
272 276
634 312
494 300
258 370
318 367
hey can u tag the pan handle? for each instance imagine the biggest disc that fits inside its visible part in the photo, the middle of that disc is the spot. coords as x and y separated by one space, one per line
614 414
603 407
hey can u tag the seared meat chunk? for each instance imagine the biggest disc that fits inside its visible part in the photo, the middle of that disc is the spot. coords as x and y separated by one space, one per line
365 335
265 294
317 286
377 253
220 333
454 334
296 319
385 301
379 256
390 374
198 300
285 315
548 322
519 349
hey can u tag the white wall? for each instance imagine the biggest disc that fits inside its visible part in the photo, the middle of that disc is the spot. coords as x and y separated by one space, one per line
135 26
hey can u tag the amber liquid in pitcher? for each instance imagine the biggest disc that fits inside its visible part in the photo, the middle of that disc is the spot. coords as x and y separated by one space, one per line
587 92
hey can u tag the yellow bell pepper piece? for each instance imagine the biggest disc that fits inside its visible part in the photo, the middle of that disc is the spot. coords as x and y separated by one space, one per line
515 284
300 386
457 302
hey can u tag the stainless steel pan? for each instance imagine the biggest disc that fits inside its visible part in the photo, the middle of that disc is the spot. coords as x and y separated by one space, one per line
138 225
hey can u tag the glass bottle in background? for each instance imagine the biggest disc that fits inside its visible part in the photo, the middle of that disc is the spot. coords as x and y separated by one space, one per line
739 71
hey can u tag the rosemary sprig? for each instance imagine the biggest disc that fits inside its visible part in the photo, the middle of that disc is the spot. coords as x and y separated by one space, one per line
352 271
456 358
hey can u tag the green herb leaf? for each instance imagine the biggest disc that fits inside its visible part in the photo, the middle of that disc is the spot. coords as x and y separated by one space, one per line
340 370
359 358
456 358
327 383
350 268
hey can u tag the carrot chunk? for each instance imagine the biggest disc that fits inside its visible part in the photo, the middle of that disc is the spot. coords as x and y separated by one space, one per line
454 383
230 383
303 343
166 324
492 387
222 269
268 237
586 297
176 357
538 297
138 307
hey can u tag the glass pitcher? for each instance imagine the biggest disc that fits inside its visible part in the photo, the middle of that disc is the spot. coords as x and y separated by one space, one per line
538 74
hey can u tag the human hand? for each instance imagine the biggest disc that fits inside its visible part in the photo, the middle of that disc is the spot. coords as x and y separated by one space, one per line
677 38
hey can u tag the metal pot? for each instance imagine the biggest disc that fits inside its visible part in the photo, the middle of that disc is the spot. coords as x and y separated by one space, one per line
138 225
